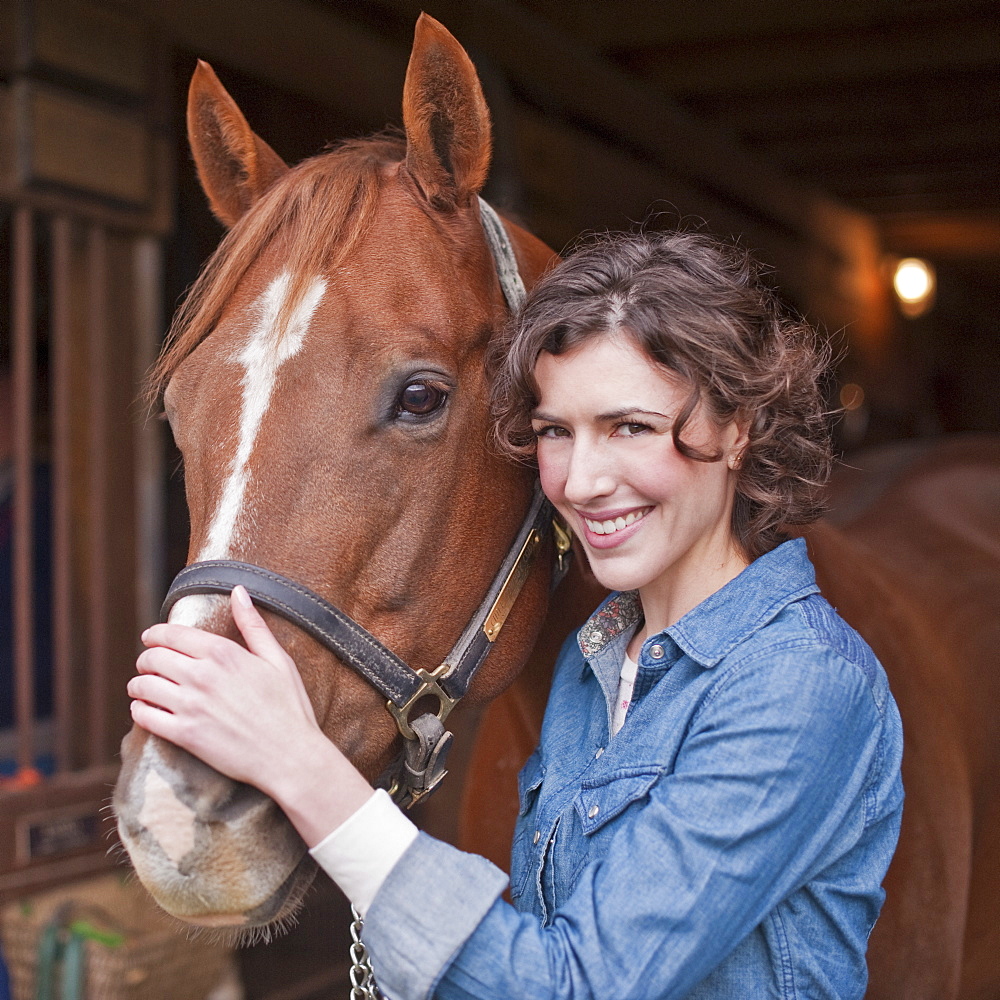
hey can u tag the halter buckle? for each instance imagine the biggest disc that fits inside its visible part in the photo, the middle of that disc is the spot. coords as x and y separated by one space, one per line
429 686
564 542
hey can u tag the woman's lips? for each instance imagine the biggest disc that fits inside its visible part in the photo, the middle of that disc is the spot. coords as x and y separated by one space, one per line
609 529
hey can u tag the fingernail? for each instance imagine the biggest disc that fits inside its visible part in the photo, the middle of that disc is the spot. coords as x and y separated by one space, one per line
144 635
242 596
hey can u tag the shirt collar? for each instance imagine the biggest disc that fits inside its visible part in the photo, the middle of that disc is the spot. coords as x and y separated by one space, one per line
723 620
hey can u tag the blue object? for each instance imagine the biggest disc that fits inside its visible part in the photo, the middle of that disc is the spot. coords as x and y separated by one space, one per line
4 978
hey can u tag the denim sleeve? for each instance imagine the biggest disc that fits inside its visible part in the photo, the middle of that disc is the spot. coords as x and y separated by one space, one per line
772 779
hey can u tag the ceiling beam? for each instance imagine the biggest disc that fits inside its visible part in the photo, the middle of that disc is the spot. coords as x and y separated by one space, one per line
633 24
909 102
299 46
954 236
780 60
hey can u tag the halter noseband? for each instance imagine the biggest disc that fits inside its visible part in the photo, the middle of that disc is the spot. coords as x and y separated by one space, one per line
426 740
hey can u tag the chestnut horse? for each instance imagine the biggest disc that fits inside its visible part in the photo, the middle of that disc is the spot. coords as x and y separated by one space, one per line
325 384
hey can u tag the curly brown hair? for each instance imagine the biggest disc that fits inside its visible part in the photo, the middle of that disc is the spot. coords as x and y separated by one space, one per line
697 307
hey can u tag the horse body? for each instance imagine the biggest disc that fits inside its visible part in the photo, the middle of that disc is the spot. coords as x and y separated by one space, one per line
916 569
356 289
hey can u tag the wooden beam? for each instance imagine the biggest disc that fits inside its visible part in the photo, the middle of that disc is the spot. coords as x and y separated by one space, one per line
955 236
903 47
910 102
630 24
301 47
886 148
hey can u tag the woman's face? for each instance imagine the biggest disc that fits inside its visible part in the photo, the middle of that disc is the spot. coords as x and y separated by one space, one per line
648 518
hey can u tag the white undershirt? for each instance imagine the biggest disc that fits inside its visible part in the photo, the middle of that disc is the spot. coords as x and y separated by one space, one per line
626 684
361 852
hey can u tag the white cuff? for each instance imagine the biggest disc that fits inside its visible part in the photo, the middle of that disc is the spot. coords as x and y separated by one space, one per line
361 852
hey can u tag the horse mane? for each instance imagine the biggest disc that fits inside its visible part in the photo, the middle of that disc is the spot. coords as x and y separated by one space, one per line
329 200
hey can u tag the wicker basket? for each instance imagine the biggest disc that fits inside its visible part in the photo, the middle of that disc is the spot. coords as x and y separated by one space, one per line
132 950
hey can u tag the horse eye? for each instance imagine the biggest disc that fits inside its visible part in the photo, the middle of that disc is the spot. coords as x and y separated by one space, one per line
421 398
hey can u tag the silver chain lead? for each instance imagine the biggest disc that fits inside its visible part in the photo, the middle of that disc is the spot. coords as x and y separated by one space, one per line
363 985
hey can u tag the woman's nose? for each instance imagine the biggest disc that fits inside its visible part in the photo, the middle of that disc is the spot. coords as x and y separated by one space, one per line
589 474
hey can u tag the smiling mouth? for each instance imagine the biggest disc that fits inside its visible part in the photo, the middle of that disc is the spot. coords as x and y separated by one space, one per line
612 525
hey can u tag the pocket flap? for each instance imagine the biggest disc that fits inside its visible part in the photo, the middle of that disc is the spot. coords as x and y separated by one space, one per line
529 780
602 800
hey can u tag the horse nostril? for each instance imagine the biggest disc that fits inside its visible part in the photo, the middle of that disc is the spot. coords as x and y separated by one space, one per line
234 802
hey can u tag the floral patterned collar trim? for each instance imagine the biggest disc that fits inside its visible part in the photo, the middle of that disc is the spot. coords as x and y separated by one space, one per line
619 612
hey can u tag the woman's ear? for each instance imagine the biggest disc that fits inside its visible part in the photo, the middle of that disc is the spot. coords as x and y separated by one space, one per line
739 433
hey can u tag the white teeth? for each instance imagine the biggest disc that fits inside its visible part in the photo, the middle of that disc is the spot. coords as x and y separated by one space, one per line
610 527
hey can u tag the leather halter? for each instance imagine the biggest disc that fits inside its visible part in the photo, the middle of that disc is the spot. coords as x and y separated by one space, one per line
426 740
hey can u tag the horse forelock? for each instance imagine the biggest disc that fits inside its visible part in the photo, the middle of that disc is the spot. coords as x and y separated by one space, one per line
322 207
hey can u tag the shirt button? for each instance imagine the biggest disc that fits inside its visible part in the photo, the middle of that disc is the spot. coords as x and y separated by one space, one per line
656 652
600 750
594 810
537 837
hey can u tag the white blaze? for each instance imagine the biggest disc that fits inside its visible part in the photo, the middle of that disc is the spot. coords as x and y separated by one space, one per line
265 351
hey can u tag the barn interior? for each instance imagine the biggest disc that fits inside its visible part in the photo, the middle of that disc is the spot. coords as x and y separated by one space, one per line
835 140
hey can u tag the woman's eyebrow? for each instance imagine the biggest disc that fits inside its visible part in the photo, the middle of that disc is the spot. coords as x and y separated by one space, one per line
607 418
630 411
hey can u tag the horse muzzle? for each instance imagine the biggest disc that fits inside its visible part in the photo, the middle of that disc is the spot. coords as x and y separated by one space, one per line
211 851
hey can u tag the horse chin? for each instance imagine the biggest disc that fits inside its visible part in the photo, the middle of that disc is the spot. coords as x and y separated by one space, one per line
216 854
272 918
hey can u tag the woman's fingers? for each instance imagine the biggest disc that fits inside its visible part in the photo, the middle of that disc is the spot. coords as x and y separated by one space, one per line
258 637
154 690
194 642
166 662
261 641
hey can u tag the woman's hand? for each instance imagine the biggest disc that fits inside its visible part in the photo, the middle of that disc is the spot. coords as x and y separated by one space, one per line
246 713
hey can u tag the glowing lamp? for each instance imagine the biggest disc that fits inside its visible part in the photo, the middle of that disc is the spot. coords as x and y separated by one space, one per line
914 285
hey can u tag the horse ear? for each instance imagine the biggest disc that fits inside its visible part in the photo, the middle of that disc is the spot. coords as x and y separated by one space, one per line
446 118
235 166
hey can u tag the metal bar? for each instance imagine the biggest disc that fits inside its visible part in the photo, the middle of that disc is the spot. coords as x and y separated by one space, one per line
62 513
23 364
97 494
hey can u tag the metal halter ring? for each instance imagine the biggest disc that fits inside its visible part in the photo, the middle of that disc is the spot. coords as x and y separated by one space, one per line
429 686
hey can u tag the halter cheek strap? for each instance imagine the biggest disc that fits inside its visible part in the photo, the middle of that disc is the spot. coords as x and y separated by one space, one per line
426 740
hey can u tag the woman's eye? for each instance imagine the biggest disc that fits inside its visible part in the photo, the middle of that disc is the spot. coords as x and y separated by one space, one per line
631 430
421 398
550 431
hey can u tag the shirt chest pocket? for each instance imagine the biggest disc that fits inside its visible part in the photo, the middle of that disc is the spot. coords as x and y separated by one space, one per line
529 781
599 810
602 800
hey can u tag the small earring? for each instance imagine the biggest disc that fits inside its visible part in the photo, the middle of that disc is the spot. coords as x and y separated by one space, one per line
735 461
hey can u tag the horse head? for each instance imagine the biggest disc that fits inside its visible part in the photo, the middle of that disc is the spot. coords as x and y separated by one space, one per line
325 384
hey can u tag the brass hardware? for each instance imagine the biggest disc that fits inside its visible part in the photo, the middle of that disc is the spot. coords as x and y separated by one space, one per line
563 540
512 586
429 686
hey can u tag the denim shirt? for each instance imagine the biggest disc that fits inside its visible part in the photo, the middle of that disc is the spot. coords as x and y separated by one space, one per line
729 841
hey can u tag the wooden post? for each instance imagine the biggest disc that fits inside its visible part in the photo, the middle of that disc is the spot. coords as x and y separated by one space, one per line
23 324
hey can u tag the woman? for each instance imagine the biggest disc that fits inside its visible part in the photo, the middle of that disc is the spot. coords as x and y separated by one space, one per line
716 795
